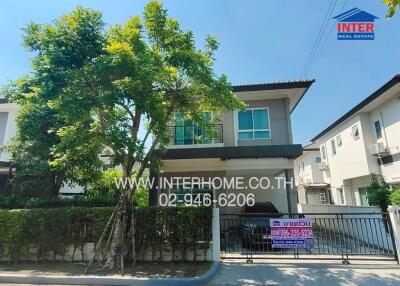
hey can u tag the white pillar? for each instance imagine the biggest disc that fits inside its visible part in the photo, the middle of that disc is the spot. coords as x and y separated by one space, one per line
215 236
394 214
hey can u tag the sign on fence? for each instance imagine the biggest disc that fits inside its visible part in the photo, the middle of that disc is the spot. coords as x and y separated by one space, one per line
292 233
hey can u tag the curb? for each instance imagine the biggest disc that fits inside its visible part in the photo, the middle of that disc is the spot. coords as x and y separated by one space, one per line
99 280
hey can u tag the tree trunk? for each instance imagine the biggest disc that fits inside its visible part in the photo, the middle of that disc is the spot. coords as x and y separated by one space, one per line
55 186
119 247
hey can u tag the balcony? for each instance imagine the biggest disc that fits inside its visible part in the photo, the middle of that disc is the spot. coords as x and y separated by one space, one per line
195 134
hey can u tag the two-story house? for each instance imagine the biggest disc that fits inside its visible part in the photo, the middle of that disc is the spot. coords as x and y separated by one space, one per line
256 142
363 141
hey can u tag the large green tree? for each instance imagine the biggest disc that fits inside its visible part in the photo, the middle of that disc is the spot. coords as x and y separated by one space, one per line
32 147
108 85
392 7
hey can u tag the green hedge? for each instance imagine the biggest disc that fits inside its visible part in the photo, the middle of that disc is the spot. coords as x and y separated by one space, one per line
180 228
13 202
38 233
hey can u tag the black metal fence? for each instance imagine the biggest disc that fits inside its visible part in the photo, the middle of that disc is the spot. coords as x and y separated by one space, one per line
335 236
195 134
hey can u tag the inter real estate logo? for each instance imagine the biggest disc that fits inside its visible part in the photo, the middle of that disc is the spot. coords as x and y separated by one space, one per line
355 24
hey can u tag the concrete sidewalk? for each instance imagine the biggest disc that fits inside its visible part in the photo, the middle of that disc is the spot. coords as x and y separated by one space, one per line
306 273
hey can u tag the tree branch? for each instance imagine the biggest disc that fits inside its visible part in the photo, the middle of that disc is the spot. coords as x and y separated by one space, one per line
131 115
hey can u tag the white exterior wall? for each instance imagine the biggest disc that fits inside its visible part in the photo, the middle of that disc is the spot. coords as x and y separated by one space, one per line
10 129
350 168
350 160
389 116
307 170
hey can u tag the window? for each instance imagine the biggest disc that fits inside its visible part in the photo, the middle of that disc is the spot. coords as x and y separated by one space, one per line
339 140
318 160
254 124
363 192
355 133
378 129
340 196
322 198
323 152
333 147
3 124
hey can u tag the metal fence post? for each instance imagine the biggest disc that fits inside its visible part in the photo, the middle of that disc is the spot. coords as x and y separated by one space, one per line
216 251
394 216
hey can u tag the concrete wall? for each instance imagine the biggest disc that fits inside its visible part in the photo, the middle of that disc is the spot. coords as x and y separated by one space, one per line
145 254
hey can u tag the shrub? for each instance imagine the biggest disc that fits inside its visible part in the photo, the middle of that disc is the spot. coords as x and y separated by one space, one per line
379 192
105 185
395 197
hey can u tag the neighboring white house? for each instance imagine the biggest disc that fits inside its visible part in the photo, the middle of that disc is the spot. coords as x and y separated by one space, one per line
8 115
310 183
365 140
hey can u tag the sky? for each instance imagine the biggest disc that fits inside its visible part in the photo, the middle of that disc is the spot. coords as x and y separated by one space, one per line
260 41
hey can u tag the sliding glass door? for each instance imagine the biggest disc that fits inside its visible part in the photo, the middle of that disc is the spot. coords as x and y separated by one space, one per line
189 132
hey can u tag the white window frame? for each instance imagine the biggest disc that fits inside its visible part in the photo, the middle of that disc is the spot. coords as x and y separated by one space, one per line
333 146
354 130
268 130
323 198
323 152
380 129
339 141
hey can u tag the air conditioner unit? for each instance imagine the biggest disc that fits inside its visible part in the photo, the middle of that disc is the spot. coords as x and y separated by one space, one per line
324 166
378 149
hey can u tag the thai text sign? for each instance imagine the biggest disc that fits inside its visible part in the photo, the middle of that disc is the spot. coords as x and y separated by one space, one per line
292 233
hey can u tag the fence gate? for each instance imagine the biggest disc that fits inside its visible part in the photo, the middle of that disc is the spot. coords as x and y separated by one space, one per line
343 236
